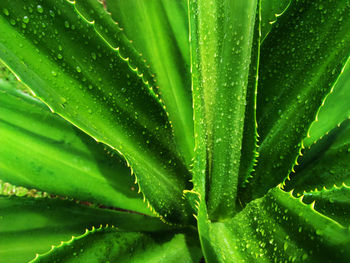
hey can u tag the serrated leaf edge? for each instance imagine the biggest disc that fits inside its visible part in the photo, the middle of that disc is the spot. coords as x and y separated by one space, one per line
73 238
291 171
310 206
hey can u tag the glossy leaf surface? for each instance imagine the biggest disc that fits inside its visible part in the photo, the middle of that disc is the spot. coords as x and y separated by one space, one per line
335 109
250 134
54 156
300 61
159 30
270 11
333 202
221 52
98 90
111 245
275 228
32 225
326 163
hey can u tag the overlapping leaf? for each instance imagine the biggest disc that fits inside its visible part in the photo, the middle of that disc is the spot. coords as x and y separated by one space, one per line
110 245
32 225
300 61
275 228
51 155
221 51
325 164
335 109
333 202
64 60
159 30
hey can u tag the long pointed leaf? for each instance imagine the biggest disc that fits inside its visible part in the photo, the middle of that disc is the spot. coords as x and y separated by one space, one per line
276 228
325 164
250 134
300 61
110 245
221 51
59 55
51 155
32 225
159 30
335 109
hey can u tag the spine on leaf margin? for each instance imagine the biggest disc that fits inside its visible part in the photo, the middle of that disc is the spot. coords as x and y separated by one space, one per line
145 76
69 242
311 206
291 171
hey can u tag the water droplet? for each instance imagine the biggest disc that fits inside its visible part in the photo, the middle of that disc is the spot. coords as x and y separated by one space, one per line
93 55
52 14
40 9
54 73
26 19
78 69
6 12
59 56
66 24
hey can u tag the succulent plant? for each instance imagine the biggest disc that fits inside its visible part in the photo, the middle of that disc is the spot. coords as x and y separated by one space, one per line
232 118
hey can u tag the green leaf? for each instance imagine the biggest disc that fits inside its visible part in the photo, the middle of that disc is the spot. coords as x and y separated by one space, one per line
93 12
110 245
270 11
277 228
250 134
54 156
32 225
221 52
325 164
300 61
66 63
333 202
335 109
159 30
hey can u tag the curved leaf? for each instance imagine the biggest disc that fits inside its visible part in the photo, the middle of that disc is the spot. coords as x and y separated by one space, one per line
277 228
270 11
300 61
54 156
32 225
250 133
335 109
59 55
110 245
221 53
159 30
333 202
325 164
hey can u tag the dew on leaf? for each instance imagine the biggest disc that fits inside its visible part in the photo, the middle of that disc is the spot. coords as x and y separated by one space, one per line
40 9
6 12
25 19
